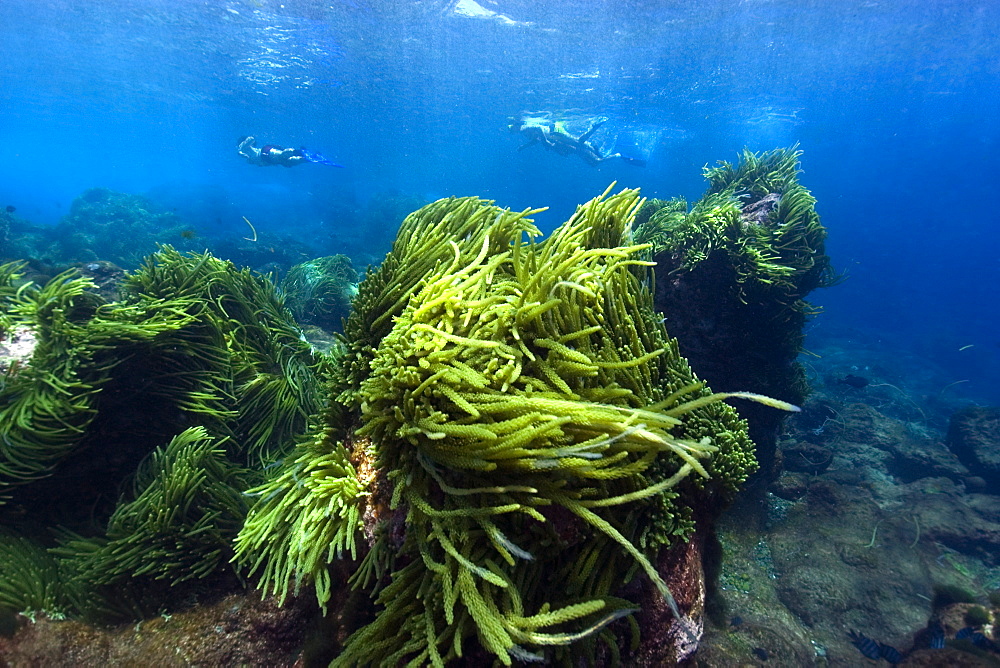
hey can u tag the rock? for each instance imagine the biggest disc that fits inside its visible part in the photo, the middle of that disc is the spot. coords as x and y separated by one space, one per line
666 640
974 437
748 644
16 348
806 458
914 458
239 629
864 424
106 276
966 523
790 486
935 658
975 483
758 213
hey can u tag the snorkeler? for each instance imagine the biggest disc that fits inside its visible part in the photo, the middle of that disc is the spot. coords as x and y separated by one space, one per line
277 155
554 136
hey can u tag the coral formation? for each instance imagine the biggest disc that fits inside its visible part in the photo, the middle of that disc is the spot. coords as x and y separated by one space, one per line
523 418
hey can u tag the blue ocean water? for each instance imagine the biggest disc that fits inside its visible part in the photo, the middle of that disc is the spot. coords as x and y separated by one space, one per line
894 104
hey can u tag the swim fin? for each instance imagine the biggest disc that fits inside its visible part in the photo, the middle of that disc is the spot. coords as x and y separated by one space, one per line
638 162
312 156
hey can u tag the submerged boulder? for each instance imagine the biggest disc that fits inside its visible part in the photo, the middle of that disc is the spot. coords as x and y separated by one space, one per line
732 275
974 437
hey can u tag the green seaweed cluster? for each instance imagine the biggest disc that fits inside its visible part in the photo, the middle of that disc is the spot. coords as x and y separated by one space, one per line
306 516
30 577
513 439
10 275
733 273
269 376
176 391
319 292
505 439
759 217
175 525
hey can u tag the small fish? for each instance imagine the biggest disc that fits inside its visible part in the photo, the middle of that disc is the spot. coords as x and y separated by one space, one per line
868 647
890 654
761 653
736 621
11 208
937 637
976 637
857 382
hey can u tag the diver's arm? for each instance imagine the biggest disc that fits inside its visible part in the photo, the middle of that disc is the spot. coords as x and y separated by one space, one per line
246 148
250 152
590 132
534 134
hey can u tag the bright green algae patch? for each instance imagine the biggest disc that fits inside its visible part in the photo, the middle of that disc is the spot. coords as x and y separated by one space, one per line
129 430
523 414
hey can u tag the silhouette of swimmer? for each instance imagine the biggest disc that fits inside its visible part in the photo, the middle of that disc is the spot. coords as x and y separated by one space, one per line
278 155
555 137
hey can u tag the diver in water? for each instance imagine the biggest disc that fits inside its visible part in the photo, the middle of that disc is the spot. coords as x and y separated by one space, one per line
554 136
277 155
270 154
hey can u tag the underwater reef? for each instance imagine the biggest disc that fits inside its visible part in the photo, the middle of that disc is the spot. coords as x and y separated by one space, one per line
732 274
510 454
505 457
111 230
6 218
881 536
115 227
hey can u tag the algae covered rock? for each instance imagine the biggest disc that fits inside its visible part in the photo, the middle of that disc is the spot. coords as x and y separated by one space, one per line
319 292
130 427
104 224
506 453
513 441
5 220
733 272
